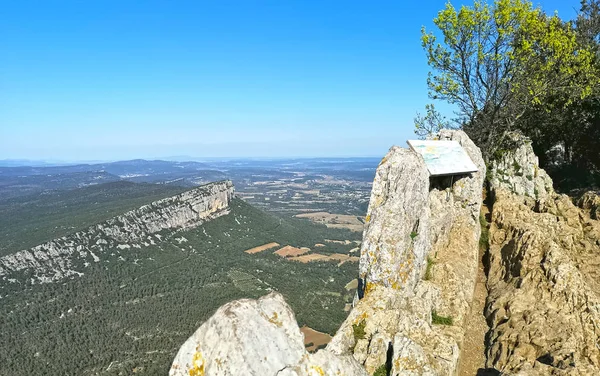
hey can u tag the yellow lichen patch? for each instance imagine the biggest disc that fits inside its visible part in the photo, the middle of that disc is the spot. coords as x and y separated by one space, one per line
368 218
406 364
317 371
275 320
369 287
363 316
197 365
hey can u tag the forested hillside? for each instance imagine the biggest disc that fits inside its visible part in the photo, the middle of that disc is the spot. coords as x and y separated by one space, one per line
130 312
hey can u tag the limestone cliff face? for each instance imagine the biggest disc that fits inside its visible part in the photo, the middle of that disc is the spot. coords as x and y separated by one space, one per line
544 278
410 219
413 218
68 255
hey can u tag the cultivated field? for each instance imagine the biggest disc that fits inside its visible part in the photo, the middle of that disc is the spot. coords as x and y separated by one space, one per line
289 251
350 222
311 257
261 248
313 340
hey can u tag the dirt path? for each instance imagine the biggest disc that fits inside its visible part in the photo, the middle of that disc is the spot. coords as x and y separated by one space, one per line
473 352
472 361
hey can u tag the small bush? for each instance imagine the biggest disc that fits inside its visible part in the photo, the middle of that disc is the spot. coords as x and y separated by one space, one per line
413 235
359 330
428 270
381 371
516 166
440 320
484 239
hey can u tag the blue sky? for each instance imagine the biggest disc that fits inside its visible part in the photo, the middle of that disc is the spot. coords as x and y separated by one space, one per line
109 80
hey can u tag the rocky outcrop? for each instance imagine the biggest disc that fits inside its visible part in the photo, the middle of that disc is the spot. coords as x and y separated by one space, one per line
544 277
590 202
419 261
417 272
518 170
70 254
256 337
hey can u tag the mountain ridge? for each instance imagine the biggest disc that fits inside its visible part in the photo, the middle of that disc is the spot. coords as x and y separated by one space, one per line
52 261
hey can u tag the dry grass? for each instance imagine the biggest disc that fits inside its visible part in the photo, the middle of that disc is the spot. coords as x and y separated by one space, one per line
352 285
346 242
261 248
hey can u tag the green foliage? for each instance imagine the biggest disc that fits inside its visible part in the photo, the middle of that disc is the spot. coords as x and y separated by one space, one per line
122 309
496 62
381 371
440 320
484 239
430 123
588 24
413 235
429 269
358 330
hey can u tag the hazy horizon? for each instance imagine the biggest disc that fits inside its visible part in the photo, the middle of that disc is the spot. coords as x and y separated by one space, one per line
23 162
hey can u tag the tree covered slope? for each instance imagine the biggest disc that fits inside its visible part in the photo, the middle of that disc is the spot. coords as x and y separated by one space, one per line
130 311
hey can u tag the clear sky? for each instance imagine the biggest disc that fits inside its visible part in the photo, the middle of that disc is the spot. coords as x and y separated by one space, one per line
108 80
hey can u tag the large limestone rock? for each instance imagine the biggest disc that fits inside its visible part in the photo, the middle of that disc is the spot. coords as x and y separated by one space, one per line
518 170
412 218
256 337
396 238
544 277
66 256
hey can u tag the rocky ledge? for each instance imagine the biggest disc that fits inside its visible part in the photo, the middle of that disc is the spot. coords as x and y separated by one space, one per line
68 255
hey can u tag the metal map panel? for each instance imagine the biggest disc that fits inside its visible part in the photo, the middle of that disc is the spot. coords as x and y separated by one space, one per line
443 157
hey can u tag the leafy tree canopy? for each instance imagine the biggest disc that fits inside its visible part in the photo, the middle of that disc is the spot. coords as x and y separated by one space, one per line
496 62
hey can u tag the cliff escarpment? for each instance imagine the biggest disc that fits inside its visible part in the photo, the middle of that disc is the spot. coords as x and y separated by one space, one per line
69 255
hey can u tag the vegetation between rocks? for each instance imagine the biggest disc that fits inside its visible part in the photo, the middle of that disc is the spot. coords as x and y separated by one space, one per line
428 269
440 320
381 371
